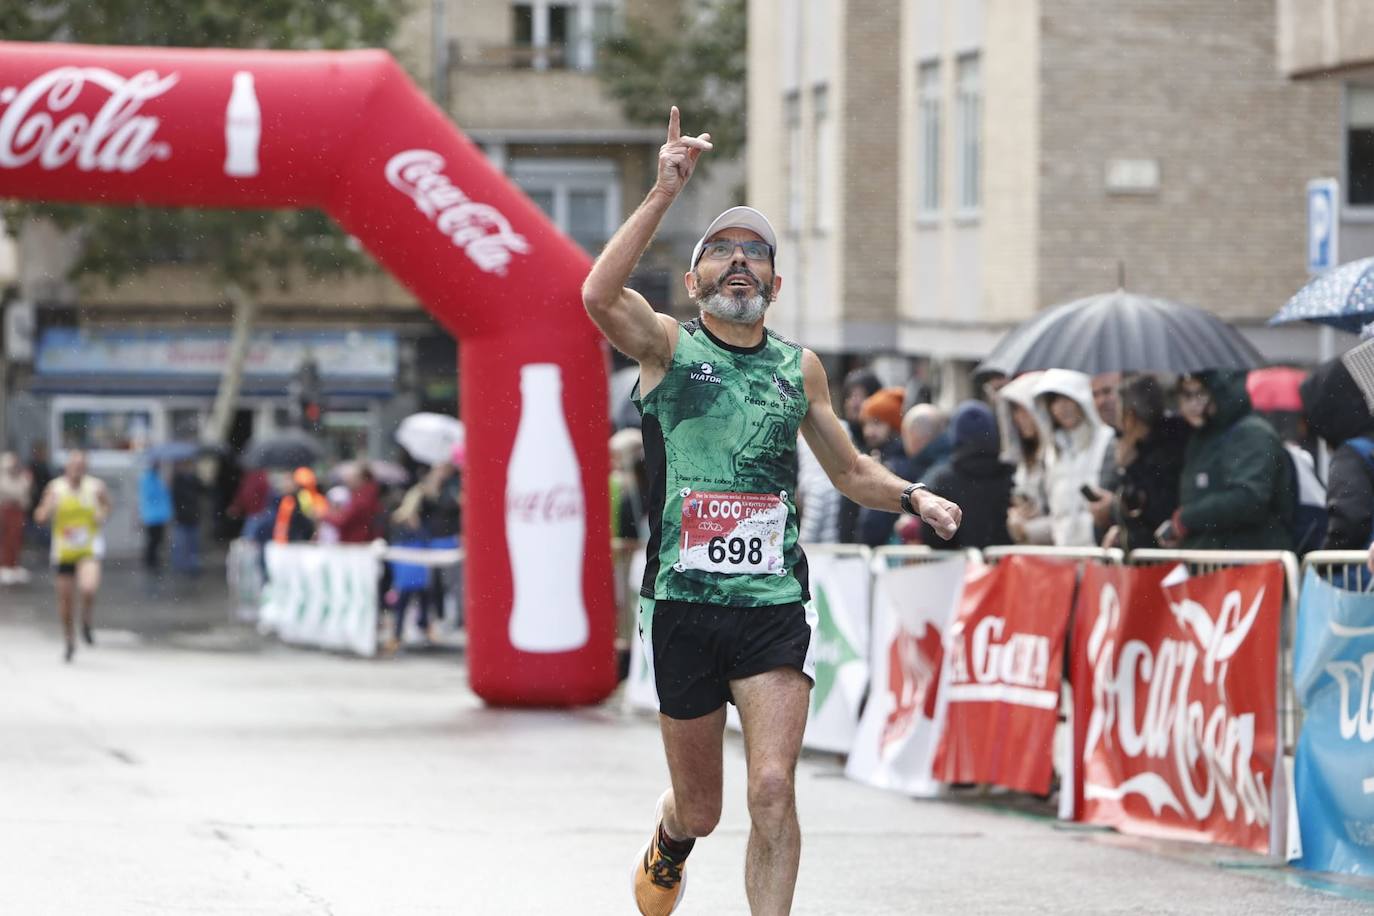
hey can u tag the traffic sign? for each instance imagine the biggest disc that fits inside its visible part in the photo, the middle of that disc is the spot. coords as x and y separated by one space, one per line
1323 224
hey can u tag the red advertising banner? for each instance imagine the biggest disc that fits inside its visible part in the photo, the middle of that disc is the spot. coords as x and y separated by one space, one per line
1175 691
1004 657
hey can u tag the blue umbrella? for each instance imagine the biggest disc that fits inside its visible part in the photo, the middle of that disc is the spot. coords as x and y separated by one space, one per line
171 451
1342 298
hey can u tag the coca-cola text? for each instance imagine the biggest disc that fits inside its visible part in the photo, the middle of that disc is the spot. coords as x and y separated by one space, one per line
480 230
1187 719
545 506
116 139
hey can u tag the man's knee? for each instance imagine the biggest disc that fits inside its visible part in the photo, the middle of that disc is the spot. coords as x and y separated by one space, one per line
697 820
772 792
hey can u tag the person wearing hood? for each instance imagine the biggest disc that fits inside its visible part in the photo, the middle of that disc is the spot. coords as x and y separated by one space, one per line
1236 490
977 477
1336 410
1025 435
1080 445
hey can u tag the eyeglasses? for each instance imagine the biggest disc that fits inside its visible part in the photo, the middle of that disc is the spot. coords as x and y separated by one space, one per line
724 249
1197 395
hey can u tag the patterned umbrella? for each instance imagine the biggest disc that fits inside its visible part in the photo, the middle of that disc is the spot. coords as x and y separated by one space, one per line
1342 298
1122 332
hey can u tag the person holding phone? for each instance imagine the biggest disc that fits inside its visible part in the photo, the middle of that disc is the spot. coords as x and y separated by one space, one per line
1079 446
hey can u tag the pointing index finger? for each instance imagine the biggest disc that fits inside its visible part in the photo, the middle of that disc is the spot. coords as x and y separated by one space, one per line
674 124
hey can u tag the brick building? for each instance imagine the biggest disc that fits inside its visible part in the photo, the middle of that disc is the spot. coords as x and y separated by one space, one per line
1023 153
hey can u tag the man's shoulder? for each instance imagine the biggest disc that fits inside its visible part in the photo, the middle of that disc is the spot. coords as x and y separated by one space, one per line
785 341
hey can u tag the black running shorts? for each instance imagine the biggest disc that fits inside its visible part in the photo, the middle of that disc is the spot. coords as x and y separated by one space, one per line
696 650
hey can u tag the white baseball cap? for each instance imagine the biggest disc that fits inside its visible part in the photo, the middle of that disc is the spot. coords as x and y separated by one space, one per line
738 218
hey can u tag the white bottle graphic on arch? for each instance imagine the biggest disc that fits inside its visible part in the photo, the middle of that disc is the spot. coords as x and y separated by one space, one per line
545 521
242 128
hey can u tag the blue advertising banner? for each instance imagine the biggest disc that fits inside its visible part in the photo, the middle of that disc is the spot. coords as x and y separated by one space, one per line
1333 675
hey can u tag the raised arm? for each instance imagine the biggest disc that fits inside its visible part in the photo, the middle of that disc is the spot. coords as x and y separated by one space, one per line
623 315
858 476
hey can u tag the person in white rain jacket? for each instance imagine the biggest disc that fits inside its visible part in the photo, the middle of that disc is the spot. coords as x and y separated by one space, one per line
1080 444
1025 432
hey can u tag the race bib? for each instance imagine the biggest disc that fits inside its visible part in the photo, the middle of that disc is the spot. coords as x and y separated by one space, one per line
733 533
76 538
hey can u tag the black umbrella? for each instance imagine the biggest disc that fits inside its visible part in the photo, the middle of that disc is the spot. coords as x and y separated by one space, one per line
1121 332
284 450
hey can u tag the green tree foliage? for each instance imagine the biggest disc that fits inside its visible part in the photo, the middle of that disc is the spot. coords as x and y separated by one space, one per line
694 59
236 247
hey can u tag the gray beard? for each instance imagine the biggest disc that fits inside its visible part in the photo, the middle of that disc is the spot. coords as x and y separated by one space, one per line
734 310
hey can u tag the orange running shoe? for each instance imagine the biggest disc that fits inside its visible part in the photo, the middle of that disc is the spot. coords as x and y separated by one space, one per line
659 882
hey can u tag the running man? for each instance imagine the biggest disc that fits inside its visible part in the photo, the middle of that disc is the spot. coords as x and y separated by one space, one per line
722 612
77 504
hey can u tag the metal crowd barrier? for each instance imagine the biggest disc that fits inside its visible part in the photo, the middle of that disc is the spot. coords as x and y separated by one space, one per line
906 555
1345 569
245 571
1201 562
1107 555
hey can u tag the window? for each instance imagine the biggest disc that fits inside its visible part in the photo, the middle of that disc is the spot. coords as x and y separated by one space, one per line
184 423
112 430
823 144
561 33
1359 145
346 434
581 196
792 118
968 102
928 141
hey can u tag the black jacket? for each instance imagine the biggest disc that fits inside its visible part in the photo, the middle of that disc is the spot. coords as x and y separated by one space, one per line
977 480
1148 491
1336 410
187 494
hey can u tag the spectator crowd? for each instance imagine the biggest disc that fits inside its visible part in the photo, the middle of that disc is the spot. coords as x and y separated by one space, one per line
1070 460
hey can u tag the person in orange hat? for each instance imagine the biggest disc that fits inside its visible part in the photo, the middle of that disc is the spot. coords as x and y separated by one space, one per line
298 511
881 415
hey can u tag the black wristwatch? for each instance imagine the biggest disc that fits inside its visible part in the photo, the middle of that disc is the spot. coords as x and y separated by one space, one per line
907 507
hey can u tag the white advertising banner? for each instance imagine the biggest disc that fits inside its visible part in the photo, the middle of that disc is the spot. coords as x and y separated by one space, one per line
901 725
840 584
322 595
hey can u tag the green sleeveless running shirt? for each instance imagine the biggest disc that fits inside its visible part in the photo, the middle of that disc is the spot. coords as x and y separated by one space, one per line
720 443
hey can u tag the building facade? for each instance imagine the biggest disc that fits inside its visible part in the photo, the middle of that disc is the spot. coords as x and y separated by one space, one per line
1040 150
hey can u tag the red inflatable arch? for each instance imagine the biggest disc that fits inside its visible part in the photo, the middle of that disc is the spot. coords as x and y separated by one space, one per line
348 132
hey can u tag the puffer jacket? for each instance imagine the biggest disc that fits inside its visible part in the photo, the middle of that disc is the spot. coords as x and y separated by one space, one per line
1236 490
1029 478
1336 411
1078 457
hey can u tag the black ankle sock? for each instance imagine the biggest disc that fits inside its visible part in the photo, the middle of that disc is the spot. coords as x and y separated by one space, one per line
674 849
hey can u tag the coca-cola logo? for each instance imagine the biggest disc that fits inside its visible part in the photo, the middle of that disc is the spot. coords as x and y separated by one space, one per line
117 139
480 230
991 663
1188 721
545 507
